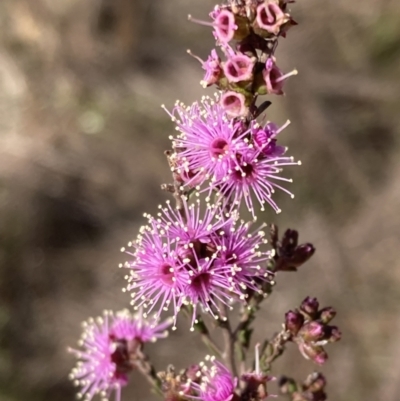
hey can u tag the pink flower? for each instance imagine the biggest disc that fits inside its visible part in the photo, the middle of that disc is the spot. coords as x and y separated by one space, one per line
224 24
207 139
107 351
238 66
212 67
270 17
274 77
253 174
203 259
234 104
265 139
217 382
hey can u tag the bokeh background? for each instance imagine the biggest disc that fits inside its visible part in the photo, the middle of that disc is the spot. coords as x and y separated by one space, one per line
81 141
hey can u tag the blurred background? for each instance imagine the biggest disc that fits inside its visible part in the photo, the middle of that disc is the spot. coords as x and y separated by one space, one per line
81 141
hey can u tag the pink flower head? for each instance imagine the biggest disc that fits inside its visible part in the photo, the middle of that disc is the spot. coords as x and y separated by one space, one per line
157 274
239 67
270 17
107 351
174 262
234 104
217 382
224 24
253 174
265 139
239 248
206 141
274 77
212 67
200 259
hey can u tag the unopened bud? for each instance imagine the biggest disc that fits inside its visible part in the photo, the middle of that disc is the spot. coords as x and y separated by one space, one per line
312 331
293 322
333 334
315 382
314 352
310 307
302 253
290 240
287 385
327 314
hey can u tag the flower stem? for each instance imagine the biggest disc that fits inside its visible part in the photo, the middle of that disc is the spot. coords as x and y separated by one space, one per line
144 366
201 327
230 339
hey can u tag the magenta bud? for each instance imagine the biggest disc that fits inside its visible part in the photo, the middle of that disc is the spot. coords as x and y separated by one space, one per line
327 314
320 356
302 253
310 307
293 322
316 353
333 334
312 331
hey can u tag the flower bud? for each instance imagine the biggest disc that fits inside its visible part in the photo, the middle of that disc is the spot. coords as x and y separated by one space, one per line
287 385
315 382
333 334
290 240
327 314
314 352
310 307
302 253
293 322
312 331
290 255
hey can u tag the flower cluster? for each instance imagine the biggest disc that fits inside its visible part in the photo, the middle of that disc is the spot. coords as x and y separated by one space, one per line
216 382
207 259
238 160
312 389
213 381
310 330
249 69
289 255
109 349
203 257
